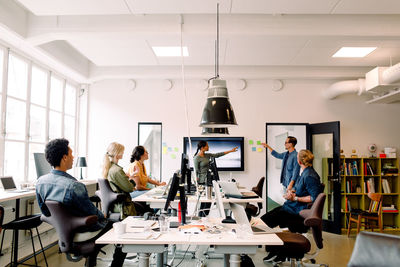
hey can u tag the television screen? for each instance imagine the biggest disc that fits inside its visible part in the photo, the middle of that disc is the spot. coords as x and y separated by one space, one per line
230 162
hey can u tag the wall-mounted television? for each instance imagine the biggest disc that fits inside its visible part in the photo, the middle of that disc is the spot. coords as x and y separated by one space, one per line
230 162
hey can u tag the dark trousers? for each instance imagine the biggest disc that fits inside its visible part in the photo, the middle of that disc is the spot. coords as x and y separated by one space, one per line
118 256
283 219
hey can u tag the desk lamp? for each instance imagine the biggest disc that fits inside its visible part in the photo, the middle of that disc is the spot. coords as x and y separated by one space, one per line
81 162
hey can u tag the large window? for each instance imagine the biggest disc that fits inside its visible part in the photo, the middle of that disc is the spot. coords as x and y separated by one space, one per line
36 106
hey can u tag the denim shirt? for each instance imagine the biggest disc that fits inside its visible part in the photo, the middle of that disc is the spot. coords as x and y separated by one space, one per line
61 187
290 167
308 184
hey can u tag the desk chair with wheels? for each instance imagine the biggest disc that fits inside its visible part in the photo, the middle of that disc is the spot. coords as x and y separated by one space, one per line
296 246
23 223
76 245
251 209
374 213
108 199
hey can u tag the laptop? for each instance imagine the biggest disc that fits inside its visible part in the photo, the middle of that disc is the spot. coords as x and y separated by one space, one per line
241 218
230 189
9 185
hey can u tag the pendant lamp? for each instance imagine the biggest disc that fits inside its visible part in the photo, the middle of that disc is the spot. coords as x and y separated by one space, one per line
215 131
218 112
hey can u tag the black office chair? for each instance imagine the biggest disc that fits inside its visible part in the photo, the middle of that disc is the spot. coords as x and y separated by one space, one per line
252 210
67 227
108 199
23 223
296 246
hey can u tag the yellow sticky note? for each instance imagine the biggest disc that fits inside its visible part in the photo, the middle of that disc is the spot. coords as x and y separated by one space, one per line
164 150
251 142
259 149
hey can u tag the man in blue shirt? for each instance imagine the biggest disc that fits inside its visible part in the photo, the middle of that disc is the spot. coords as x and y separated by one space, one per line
59 186
305 191
290 167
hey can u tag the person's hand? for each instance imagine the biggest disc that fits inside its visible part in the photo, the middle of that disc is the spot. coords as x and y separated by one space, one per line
163 183
289 195
234 149
265 145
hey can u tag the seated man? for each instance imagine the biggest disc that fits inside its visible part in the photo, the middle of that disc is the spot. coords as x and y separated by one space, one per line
62 187
305 190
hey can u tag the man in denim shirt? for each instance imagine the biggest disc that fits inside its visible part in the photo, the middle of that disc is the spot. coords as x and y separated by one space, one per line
290 167
306 190
61 187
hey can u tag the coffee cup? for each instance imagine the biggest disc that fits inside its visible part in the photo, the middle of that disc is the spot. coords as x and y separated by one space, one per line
119 228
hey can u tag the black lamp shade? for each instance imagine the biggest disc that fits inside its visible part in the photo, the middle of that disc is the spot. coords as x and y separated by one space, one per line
218 112
215 131
81 162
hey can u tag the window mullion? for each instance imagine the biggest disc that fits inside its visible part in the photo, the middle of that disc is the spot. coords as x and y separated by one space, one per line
3 109
47 135
28 119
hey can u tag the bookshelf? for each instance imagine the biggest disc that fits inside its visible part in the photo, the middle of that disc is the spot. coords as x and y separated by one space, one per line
362 175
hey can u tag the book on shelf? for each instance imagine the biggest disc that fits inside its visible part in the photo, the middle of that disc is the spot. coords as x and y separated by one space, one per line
391 208
386 186
370 185
354 168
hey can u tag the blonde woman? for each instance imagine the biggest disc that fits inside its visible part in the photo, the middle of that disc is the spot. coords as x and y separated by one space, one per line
117 178
137 170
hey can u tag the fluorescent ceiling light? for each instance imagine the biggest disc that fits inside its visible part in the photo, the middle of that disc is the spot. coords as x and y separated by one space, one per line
170 51
353 51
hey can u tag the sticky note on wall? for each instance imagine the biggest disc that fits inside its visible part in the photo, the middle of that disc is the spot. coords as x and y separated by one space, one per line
251 142
258 143
259 149
253 148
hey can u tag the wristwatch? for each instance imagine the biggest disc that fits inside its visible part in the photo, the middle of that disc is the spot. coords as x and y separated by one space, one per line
296 198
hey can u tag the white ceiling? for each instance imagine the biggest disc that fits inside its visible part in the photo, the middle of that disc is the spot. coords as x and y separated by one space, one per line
263 33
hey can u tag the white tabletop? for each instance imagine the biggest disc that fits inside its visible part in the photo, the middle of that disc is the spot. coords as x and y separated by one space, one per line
6 196
226 237
153 196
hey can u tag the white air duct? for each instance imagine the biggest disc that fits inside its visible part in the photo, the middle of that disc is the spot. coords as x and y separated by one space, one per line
391 74
345 87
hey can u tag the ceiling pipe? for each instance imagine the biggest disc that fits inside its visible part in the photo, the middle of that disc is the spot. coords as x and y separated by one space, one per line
391 74
345 87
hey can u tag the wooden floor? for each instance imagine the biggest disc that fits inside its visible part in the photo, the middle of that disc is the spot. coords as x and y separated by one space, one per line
336 252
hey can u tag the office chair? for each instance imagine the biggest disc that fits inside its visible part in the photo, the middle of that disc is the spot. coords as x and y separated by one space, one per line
375 249
22 223
374 213
74 244
108 199
251 209
296 246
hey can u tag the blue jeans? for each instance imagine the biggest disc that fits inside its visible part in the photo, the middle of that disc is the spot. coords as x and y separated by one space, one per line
137 193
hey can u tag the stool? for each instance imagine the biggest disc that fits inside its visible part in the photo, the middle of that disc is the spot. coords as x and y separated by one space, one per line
24 223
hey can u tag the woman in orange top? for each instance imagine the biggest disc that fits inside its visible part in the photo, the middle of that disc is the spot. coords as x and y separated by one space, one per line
138 171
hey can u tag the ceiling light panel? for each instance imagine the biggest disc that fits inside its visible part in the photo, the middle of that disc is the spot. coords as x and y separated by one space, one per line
354 51
170 51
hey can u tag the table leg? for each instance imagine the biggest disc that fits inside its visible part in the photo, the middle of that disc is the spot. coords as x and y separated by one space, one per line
226 260
234 260
144 259
15 245
160 259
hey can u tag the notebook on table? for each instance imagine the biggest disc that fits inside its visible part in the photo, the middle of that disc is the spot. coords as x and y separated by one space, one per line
9 185
231 190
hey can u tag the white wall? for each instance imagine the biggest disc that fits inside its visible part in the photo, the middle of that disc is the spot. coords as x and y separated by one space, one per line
115 110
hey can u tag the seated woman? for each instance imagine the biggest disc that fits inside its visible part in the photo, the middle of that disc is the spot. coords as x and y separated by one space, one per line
137 170
118 180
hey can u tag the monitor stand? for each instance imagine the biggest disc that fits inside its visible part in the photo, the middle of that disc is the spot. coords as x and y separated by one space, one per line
228 219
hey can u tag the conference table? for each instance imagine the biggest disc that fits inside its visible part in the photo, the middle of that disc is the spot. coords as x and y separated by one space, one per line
225 242
17 196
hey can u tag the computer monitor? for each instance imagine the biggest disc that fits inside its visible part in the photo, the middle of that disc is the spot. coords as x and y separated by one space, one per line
186 173
212 173
41 164
218 200
175 186
173 189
